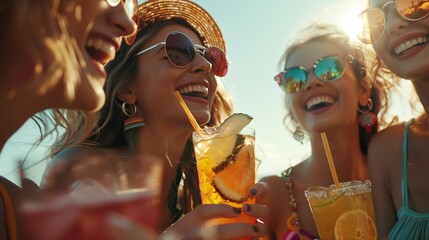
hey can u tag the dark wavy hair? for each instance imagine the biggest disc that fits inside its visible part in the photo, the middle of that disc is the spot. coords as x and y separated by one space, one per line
106 126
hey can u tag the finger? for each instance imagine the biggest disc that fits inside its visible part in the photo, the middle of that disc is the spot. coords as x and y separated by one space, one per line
201 214
123 228
256 210
259 189
233 231
210 211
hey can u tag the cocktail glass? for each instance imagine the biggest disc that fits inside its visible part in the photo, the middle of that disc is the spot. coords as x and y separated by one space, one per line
344 212
226 169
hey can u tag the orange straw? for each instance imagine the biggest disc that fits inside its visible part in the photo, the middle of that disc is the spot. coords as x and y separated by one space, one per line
330 160
189 114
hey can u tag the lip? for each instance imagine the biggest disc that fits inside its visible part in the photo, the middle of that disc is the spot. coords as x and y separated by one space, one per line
203 83
304 106
198 100
397 41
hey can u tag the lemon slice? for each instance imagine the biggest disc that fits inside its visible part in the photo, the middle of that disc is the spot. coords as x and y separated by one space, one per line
355 224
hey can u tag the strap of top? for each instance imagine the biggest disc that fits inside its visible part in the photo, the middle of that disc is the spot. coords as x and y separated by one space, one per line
404 189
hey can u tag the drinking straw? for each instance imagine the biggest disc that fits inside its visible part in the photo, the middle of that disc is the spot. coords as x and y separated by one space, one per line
188 114
330 160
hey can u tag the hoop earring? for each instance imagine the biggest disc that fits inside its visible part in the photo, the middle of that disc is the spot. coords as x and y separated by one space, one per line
298 135
125 111
366 118
131 122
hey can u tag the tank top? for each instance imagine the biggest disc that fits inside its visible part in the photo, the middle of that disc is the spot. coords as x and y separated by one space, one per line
410 224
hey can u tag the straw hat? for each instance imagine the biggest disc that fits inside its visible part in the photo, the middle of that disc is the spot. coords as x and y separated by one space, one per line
194 14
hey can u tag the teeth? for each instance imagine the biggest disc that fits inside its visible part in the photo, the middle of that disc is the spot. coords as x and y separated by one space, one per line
204 91
103 46
319 99
409 44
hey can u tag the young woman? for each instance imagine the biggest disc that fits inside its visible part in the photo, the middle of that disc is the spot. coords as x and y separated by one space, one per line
178 48
328 89
57 62
398 156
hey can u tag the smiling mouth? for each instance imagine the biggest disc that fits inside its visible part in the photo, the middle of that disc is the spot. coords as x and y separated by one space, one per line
403 47
100 50
319 102
195 91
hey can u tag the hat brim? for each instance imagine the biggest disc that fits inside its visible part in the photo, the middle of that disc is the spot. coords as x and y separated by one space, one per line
153 10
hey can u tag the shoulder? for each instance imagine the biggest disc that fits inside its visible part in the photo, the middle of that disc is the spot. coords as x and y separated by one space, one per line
385 152
387 142
73 163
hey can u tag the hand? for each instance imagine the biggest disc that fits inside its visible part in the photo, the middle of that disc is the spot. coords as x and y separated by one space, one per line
195 225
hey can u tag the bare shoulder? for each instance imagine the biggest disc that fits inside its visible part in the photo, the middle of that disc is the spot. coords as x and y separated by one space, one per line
386 144
73 163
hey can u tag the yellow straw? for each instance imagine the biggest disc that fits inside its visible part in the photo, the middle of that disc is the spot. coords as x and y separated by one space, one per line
330 160
188 114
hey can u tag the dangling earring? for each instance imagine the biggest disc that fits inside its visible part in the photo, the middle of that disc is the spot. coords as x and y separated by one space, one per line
131 122
366 118
298 135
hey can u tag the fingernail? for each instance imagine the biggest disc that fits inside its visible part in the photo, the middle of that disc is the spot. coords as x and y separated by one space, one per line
236 210
255 229
253 192
247 207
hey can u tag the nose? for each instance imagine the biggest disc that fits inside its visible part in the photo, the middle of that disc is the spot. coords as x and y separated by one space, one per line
313 81
201 64
394 22
122 23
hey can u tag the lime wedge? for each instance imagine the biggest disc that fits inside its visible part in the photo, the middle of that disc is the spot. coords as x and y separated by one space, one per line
234 123
326 202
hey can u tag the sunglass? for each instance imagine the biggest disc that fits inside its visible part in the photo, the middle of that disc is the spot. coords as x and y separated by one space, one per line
329 68
181 52
132 10
374 19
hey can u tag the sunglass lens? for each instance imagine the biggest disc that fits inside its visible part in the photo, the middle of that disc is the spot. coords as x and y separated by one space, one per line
218 60
373 25
180 49
329 69
293 80
413 10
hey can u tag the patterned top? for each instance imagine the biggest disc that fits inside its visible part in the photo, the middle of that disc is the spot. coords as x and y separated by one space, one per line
410 224
294 231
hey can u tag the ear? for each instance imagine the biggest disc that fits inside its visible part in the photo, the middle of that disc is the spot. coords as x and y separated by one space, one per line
126 94
365 91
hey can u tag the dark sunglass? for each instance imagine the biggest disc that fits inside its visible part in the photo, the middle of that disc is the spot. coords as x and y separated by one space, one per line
132 10
181 52
374 19
329 68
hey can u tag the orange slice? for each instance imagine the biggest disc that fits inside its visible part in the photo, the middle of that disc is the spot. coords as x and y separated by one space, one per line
355 225
234 181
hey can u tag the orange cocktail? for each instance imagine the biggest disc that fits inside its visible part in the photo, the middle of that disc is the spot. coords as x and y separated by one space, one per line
343 213
226 168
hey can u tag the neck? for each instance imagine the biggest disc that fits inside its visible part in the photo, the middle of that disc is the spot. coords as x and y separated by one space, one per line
350 162
422 90
14 113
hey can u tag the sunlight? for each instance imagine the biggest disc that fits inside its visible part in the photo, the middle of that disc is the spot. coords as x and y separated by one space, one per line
352 25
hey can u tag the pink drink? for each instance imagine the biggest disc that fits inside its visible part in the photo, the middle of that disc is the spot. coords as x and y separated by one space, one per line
69 218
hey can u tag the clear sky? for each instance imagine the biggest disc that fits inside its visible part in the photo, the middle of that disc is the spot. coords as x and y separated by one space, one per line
256 33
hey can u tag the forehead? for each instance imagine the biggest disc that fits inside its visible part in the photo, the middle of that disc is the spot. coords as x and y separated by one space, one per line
163 33
308 53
